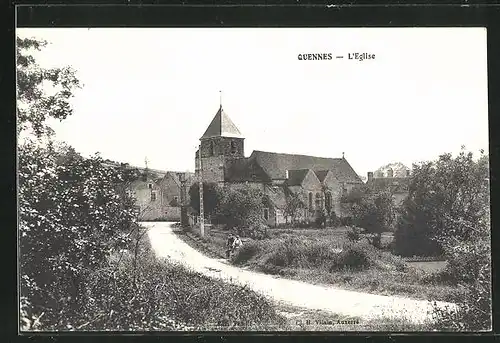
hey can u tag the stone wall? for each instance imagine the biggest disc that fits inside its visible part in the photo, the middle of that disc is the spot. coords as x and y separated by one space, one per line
229 147
213 169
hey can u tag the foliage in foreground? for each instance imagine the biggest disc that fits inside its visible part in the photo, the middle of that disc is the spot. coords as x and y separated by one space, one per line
470 269
151 294
448 212
71 217
441 192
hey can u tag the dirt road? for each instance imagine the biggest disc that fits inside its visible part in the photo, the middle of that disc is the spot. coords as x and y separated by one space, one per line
296 293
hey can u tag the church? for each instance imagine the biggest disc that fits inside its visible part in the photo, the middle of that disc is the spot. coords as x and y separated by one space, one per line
318 182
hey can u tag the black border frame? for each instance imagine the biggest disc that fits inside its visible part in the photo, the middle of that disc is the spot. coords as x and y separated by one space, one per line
237 14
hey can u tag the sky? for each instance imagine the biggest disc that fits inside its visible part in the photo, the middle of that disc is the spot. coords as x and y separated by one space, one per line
151 93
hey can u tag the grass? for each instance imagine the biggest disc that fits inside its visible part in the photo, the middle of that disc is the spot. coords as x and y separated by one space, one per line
313 256
429 267
153 294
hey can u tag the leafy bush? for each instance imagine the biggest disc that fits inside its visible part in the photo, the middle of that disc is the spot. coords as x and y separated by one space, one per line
246 252
375 214
449 187
320 220
352 257
71 216
469 267
212 195
354 234
293 252
448 210
241 208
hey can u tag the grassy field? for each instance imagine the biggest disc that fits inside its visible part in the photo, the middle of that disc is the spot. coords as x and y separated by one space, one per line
293 318
324 256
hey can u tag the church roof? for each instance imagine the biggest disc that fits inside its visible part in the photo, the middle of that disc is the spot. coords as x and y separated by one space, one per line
275 165
295 177
244 169
221 126
321 174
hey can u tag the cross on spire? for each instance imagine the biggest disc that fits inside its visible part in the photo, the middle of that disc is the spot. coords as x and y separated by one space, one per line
146 162
220 98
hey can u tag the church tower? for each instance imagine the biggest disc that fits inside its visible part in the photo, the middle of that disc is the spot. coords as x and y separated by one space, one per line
222 141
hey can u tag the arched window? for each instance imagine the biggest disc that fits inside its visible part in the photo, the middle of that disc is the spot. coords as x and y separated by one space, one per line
328 200
266 214
310 201
318 201
234 148
212 148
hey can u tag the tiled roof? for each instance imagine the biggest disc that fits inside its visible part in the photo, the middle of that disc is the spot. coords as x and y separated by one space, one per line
321 174
221 126
295 177
244 169
275 165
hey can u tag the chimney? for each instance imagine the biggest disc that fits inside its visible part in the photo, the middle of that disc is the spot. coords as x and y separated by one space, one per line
390 173
370 176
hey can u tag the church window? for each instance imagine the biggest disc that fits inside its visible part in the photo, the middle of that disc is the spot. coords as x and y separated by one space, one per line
266 213
318 201
328 200
310 201
233 147
212 148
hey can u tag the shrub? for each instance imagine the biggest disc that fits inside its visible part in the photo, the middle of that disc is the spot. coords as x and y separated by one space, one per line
158 296
246 252
469 266
212 195
72 215
241 208
353 234
352 257
320 220
346 221
454 187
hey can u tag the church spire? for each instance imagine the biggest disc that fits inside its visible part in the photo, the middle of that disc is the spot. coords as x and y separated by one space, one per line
221 125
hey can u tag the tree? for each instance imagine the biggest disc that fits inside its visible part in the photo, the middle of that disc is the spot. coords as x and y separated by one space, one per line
375 214
242 208
71 219
441 193
71 215
34 105
211 197
466 242
469 267
292 206
372 211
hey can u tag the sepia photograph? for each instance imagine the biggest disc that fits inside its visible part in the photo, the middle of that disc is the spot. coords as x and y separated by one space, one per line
253 179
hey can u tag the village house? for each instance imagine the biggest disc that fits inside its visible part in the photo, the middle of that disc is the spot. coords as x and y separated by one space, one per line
386 179
318 182
158 194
